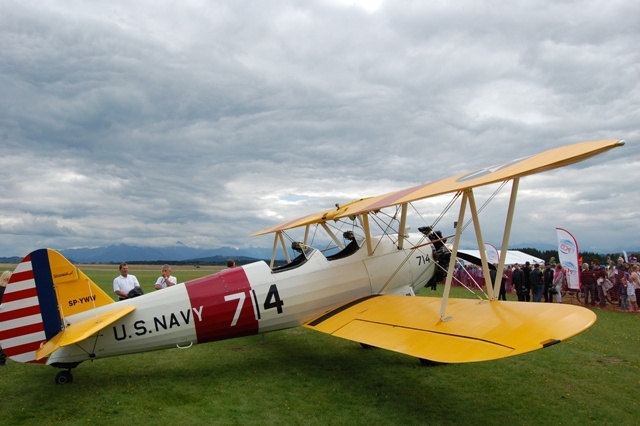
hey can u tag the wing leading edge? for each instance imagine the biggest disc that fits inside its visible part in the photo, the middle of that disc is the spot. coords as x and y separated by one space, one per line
548 160
477 331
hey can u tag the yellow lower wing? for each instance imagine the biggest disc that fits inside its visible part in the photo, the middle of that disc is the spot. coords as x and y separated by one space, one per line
78 331
476 331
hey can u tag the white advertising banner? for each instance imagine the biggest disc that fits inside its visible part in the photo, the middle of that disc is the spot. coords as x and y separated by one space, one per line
568 252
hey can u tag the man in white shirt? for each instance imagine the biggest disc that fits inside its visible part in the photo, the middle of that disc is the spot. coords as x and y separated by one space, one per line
125 282
165 280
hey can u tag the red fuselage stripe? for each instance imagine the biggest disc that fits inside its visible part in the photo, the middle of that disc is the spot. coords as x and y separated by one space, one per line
226 305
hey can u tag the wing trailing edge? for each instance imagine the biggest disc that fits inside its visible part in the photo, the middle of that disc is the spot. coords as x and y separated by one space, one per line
475 330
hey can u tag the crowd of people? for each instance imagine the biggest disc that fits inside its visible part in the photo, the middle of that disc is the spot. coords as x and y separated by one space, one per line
623 279
620 281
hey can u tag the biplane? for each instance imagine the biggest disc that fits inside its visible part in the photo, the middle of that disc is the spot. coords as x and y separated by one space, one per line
53 314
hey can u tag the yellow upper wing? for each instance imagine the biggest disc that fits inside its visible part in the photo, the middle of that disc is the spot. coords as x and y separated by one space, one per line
477 331
548 160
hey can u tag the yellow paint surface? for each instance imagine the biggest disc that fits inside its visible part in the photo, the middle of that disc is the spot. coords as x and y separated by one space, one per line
476 331
80 330
74 290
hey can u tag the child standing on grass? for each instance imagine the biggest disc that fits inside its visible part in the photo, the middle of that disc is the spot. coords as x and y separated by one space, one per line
624 298
632 285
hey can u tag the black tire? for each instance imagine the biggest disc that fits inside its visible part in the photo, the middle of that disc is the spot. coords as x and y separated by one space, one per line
64 377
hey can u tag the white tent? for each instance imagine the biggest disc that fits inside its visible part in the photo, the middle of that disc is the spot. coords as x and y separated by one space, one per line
513 256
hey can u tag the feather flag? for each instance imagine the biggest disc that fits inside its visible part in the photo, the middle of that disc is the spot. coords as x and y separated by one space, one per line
493 256
568 251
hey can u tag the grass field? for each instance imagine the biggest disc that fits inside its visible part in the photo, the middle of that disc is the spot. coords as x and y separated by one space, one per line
301 377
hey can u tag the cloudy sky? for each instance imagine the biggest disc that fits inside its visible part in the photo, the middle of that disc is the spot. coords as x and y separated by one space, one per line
149 123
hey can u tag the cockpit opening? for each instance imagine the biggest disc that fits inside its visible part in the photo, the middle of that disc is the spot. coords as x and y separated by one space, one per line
351 248
304 251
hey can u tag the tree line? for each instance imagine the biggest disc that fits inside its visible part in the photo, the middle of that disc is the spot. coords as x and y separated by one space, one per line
587 256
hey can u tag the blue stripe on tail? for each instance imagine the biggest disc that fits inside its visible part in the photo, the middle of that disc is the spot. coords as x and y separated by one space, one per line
46 293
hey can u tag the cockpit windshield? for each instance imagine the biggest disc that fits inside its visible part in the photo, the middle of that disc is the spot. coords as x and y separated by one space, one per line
304 253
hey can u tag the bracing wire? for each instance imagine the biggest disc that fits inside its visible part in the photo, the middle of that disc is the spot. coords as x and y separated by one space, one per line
486 203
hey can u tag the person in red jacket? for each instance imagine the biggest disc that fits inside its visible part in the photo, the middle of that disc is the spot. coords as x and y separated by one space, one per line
588 281
600 275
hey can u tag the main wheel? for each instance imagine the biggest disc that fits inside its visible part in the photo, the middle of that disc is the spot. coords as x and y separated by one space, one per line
64 377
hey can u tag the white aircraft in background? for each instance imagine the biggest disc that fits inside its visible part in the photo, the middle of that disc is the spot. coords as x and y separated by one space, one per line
53 314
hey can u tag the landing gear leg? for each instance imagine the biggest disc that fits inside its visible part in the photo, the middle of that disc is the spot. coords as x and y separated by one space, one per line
64 377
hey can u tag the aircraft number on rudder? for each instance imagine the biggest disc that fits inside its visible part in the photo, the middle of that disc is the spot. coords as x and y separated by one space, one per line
272 300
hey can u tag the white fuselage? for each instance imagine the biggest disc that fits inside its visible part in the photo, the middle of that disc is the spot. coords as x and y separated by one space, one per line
251 299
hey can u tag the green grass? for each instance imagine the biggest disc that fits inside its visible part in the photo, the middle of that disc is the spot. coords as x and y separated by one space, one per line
302 377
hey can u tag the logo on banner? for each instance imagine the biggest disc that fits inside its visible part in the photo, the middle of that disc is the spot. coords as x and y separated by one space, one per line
566 246
571 267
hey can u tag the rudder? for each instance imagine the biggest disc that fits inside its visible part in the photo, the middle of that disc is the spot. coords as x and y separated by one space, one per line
43 289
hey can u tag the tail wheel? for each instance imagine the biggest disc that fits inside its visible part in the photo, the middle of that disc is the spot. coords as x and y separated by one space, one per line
64 377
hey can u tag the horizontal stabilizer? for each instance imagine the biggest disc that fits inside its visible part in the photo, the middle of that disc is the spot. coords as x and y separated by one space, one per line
78 331
473 331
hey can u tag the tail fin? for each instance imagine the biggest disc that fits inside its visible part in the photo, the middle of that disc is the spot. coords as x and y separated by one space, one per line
43 290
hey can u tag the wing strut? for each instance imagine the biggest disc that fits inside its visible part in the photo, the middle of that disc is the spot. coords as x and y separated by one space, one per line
454 254
492 288
506 236
306 234
332 236
367 230
277 236
403 224
483 253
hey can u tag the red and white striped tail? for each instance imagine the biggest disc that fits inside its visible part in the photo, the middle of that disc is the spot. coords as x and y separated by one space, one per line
29 312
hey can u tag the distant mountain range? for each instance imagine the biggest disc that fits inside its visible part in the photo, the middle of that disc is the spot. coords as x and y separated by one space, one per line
125 253
180 253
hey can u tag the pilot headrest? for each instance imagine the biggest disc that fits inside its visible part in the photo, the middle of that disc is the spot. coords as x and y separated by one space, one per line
425 229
